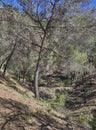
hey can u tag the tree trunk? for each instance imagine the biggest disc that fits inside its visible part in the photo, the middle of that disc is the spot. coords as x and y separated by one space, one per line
3 62
36 73
36 78
8 60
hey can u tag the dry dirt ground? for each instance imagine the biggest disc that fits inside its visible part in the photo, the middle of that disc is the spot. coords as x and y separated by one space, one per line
20 111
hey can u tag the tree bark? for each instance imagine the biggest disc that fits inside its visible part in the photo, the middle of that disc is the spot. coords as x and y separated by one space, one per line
36 79
8 60
3 62
36 73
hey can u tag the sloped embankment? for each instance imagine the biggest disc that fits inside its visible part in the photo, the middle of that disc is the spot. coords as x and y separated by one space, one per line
23 112
83 94
82 100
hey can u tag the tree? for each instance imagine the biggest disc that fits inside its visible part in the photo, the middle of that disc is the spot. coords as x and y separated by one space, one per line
16 36
43 19
45 14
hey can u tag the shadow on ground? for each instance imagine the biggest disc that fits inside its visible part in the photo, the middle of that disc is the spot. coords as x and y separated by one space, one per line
17 116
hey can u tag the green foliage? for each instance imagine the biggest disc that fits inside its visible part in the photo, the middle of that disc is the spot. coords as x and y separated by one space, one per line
59 101
67 82
69 50
84 118
40 82
93 124
80 57
43 103
79 19
94 57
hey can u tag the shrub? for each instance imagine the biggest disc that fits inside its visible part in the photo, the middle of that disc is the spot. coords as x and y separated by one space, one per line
93 124
85 118
59 101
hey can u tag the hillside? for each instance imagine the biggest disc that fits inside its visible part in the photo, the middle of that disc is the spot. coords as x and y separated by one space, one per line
20 111
47 65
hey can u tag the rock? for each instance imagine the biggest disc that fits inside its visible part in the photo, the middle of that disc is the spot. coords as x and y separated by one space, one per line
46 128
94 113
46 93
69 104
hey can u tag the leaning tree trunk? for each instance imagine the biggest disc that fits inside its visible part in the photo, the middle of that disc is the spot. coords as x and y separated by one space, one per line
1 65
36 73
8 59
